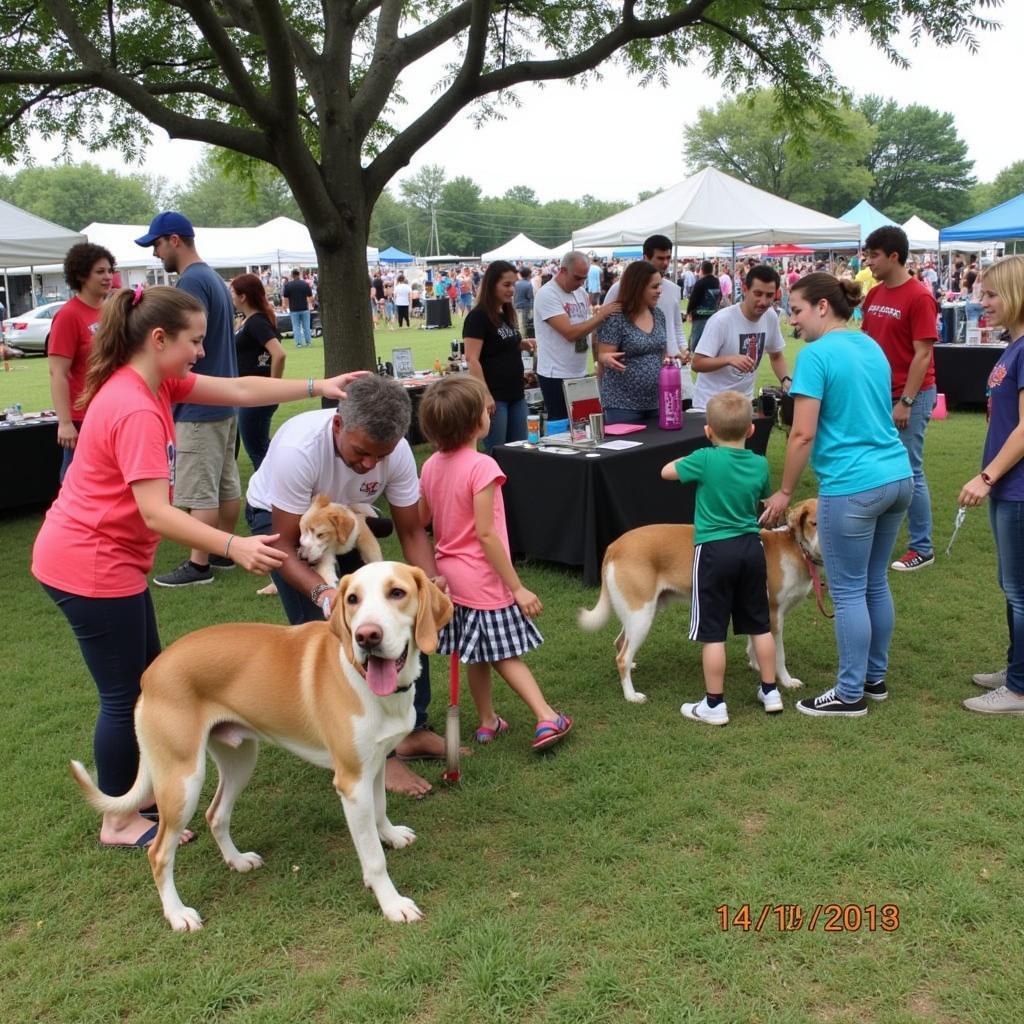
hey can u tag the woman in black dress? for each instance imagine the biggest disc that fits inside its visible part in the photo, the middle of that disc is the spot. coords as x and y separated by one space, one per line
260 354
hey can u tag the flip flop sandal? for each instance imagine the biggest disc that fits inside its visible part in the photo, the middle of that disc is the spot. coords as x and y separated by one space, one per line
487 735
140 844
549 733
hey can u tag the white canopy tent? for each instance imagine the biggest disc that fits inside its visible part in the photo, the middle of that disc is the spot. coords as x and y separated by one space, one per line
281 242
713 209
923 237
27 240
518 248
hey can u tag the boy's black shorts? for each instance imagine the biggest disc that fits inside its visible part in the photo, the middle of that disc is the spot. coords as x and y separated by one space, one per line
729 579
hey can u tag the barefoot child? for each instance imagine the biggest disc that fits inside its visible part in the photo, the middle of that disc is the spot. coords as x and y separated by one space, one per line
461 492
729 574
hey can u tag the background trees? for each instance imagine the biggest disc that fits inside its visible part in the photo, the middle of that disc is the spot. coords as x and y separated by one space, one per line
918 161
905 160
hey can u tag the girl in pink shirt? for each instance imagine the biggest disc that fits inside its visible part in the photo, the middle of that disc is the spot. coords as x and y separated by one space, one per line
461 494
99 537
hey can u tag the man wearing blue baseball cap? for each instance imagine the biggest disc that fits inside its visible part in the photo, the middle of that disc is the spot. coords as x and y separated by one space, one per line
206 475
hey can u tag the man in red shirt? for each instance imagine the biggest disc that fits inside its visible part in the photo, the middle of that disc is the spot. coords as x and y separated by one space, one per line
901 315
88 271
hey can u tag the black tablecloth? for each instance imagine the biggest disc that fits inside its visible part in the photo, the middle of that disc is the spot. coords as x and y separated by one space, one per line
961 371
569 508
30 457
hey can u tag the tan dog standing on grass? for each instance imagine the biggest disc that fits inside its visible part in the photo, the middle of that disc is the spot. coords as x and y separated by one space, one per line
328 529
339 695
647 567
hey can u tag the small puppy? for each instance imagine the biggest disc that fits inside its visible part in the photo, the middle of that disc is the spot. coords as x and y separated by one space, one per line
328 529
647 567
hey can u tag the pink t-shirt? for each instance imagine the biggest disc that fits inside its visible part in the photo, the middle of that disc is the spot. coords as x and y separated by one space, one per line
93 541
449 481
71 337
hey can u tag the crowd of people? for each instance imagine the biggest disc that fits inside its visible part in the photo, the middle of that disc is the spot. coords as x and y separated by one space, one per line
170 381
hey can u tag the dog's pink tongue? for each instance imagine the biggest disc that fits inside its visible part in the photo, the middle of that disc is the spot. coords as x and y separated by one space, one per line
381 675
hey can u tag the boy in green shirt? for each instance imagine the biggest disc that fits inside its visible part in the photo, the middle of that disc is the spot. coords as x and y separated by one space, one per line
730 579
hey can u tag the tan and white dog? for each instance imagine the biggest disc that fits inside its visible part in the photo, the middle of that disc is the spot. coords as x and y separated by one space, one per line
328 529
339 695
647 567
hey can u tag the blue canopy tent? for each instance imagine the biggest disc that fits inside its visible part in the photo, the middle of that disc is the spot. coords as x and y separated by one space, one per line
1002 222
627 254
863 214
393 255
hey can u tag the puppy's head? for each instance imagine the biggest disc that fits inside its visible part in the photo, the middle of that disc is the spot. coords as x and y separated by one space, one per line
802 519
326 528
386 613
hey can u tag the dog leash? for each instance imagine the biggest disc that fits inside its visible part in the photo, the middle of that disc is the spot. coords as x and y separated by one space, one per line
819 586
961 515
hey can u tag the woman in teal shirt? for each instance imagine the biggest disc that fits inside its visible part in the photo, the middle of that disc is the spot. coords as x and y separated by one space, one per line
843 422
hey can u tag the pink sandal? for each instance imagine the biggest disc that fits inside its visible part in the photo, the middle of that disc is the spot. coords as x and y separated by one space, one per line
487 735
549 733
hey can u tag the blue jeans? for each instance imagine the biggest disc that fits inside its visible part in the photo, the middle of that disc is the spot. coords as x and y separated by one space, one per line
1007 519
254 432
508 423
857 534
300 328
614 415
299 609
919 517
118 639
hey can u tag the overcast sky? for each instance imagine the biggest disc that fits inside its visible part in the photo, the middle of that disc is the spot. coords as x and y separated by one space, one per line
614 139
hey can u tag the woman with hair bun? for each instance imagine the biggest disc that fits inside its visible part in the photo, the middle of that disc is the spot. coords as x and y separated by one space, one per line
842 421
99 537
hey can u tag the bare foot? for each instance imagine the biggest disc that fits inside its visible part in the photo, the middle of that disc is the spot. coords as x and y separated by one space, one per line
399 778
127 831
268 591
426 745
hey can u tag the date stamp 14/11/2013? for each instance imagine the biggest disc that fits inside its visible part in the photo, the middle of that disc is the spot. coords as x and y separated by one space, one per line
824 917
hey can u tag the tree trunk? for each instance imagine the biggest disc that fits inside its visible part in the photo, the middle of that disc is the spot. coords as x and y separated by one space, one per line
344 290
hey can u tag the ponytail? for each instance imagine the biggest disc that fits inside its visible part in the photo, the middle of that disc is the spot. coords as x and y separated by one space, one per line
843 295
128 318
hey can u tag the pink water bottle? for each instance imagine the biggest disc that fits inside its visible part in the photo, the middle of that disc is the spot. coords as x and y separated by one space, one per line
670 397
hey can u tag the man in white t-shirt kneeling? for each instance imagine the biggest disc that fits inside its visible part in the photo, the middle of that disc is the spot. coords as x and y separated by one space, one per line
355 454
736 338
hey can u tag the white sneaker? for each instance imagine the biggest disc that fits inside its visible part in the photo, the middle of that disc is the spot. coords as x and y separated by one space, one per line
772 700
700 712
1002 701
990 680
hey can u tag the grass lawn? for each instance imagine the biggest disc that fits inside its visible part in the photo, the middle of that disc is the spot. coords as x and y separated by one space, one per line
582 886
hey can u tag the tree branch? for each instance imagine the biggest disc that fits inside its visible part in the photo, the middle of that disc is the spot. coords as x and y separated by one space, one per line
283 88
98 73
208 23
373 94
462 91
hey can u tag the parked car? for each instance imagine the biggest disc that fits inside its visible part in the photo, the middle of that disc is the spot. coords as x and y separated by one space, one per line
31 331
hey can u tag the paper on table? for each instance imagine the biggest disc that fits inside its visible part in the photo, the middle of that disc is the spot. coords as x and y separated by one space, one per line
623 428
618 446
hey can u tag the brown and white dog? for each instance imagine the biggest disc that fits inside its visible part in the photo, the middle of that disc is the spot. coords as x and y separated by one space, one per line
647 567
328 529
339 695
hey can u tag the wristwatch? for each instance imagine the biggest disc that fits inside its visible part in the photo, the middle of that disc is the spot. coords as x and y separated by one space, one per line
315 592
906 400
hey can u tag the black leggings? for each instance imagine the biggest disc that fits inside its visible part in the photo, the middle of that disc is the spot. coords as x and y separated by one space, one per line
403 314
118 639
